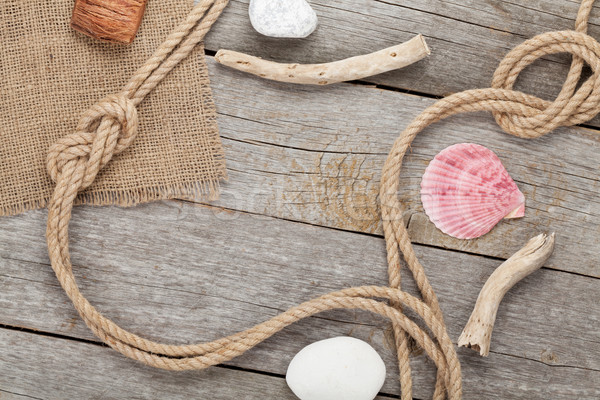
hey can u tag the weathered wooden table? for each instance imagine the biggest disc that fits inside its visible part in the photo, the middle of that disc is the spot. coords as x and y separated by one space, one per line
299 218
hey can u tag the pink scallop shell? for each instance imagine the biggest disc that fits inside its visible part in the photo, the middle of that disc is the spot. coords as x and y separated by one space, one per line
466 191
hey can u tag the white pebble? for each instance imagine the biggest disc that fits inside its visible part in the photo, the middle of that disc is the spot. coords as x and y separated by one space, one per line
282 18
337 368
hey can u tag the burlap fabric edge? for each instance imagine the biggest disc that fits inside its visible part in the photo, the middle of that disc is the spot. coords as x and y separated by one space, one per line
52 74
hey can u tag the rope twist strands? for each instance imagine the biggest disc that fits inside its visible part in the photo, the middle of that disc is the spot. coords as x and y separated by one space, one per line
518 114
110 127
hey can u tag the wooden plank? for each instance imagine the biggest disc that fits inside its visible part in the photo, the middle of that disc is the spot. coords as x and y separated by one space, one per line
309 155
179 272
41 367
315 155
468 39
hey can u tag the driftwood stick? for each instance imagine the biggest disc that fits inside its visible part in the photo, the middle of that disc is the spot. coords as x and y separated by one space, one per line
478 331
338 71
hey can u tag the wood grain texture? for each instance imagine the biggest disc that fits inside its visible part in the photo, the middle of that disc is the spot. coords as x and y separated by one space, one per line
468 39
64 369
180 272
315 155
299 218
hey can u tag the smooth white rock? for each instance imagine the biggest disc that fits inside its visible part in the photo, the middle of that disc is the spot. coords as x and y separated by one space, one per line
282 18
337 368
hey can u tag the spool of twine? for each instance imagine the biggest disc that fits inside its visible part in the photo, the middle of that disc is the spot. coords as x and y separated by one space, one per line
110 127
109 20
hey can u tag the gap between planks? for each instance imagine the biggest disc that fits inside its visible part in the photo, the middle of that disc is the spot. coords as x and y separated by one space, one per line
407 223
252 374
189 223
468 39
302 161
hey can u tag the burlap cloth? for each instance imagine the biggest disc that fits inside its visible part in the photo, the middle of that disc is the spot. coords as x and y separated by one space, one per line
49 75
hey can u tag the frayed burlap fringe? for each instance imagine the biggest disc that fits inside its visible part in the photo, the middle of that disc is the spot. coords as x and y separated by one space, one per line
194 191
50 74
110 127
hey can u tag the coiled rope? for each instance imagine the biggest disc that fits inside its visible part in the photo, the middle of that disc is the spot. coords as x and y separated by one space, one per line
110 127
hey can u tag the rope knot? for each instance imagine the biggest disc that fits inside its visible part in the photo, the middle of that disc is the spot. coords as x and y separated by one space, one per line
106 129
527 116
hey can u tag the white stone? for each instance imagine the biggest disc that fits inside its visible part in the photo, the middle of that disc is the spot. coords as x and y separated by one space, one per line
282 18
337 368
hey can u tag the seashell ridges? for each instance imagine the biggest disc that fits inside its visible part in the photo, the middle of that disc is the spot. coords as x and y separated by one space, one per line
466 191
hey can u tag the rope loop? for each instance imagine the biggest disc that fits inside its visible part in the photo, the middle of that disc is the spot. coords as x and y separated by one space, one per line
572 106
106 129
110 126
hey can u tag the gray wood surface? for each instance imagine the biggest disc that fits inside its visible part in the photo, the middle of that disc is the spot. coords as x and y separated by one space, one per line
299 218
191 273
41 367
468 39
315 155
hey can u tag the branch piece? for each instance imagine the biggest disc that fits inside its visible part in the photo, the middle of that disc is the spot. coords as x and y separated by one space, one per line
349 69
478 331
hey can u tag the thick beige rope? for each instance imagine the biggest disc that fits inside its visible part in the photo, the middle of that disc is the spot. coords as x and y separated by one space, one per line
517 113
110 127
